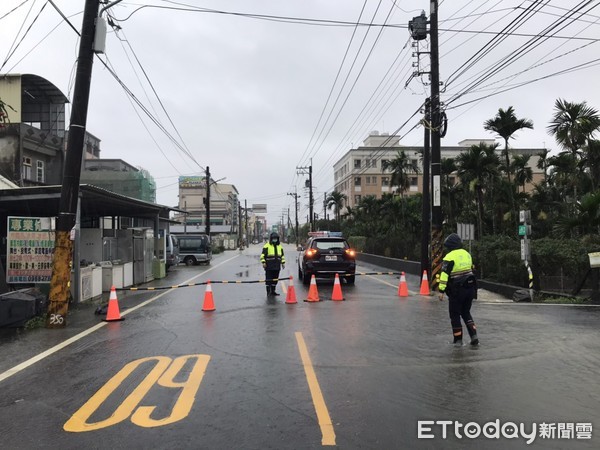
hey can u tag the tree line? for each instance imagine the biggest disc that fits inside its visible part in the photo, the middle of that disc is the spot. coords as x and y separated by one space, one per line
488 188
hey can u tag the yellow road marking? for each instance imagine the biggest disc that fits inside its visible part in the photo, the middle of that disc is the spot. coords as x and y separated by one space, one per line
327 432
163 373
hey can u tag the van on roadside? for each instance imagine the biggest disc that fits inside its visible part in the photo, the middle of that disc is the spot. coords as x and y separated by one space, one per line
172 251
194 249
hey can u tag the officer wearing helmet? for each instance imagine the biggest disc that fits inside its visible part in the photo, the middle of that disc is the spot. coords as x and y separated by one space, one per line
272 259
458 281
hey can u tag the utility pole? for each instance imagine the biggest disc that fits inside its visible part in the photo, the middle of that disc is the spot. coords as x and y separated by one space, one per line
302 170
246 224
207 225
63 251
426 207
295 195
325 205
239 225
436 208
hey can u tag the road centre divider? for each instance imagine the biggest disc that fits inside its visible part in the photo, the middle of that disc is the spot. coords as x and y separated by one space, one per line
204 283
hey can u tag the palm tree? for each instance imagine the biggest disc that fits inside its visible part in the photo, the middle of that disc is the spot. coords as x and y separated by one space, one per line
478 167
523 173
586 219
573 126
400 167
505 124
336 200
542 162
448 167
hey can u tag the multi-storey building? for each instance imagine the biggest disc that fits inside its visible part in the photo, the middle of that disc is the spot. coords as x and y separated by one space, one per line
32 130
359 173
224 205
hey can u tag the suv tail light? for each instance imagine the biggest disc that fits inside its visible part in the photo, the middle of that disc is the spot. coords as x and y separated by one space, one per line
350 252
310 252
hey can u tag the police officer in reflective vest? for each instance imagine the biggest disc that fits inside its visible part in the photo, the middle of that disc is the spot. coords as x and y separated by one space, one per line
458 281
272 259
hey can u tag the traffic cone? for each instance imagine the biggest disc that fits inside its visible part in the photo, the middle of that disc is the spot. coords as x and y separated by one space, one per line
291 293
424 284
337 289
313 293
209 303
113 314
402 287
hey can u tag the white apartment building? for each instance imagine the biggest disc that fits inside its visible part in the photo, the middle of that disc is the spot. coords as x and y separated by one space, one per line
359 172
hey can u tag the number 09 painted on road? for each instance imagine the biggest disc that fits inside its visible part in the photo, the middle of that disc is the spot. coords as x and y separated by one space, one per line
163 373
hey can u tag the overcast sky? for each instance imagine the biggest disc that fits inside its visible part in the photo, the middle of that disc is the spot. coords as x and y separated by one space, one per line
248 96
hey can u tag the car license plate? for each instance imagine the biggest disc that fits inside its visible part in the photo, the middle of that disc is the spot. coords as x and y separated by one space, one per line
330 258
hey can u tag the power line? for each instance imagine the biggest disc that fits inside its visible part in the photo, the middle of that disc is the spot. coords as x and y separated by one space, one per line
520 52
333 85
13 47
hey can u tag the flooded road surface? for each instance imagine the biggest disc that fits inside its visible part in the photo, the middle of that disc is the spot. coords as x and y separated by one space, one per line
373 371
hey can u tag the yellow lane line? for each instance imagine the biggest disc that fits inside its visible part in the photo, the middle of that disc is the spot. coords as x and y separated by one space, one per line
25 364
327 433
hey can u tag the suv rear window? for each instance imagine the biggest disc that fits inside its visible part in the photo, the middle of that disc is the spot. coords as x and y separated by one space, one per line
328 244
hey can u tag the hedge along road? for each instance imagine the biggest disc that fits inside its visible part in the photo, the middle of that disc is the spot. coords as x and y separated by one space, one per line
248 375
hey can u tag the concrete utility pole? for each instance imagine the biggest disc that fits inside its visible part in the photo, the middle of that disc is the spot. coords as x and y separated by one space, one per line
246 224
239 224
295 195
302 170
207 225
436 208
426 208
63 251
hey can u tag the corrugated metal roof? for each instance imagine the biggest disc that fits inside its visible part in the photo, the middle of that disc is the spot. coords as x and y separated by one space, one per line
95 202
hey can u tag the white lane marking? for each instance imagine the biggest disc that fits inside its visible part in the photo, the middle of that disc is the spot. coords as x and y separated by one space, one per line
37 358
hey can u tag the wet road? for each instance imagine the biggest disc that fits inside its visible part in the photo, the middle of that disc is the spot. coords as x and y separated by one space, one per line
257 374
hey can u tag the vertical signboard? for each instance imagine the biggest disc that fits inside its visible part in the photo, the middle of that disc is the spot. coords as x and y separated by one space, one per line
29 249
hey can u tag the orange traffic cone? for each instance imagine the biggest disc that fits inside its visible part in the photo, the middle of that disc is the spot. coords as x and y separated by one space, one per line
424 284
402 287
313 293
337 289
209 303
291 293
113 314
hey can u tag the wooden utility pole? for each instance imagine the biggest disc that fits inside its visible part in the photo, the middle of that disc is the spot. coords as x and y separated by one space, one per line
63 251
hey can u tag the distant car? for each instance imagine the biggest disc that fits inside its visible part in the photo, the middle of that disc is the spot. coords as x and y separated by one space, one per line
326 256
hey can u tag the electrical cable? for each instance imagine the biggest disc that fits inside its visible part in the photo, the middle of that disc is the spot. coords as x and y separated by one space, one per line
13 47
503 63
14 9
354 84
333 85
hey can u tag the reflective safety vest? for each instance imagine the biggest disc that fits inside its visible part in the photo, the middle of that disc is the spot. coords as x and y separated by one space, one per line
273 256
457 268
